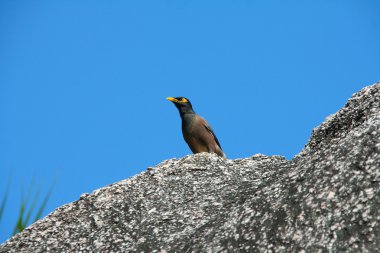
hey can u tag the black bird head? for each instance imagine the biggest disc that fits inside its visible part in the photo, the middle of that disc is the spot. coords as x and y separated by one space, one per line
183 105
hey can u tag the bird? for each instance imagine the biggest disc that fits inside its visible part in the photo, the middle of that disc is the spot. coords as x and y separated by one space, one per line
197 133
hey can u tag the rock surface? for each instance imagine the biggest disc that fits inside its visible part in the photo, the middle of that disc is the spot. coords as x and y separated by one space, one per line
326 199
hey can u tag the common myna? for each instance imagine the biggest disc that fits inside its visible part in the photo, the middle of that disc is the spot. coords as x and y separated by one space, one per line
196 131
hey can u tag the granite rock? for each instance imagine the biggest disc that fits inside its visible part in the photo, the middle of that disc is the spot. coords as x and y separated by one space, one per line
326 199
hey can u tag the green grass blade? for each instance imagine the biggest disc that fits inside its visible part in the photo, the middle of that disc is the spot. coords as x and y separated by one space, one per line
31 208
5 197
23 205
44 202
18 228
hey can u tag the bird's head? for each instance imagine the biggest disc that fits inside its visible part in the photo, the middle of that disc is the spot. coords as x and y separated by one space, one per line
182 104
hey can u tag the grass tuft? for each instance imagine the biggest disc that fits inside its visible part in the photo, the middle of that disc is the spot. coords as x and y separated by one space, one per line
29 205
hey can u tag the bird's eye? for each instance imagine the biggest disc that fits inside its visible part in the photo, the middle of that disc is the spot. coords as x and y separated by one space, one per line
183 100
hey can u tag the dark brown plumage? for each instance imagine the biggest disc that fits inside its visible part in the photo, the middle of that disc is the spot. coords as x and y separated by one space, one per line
196 131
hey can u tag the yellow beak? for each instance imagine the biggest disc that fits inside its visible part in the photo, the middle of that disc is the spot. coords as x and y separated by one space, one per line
172 99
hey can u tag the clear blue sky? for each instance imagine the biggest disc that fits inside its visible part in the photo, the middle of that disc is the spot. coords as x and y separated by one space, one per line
83 83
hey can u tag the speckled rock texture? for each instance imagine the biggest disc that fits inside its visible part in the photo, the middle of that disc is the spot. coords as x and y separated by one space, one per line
326 199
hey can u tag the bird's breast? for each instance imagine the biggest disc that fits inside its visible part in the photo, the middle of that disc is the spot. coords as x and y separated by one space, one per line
189 125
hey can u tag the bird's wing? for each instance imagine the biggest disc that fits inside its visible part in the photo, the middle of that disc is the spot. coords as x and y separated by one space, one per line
209 129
